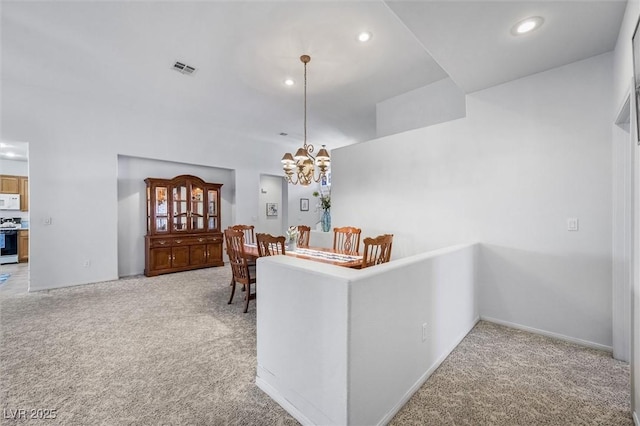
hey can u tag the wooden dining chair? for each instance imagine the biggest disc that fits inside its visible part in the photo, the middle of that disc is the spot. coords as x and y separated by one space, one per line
346 239
268 245
304 233
242 272
377 250
248 231
249 237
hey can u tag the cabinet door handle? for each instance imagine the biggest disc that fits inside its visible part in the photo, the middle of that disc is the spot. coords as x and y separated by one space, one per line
162 243
178 241
201 239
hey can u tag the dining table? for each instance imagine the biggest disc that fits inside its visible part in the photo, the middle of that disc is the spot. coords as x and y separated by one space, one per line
316 254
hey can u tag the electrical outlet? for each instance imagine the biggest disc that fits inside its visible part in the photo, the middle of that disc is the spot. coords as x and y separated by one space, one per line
47 221
425 334
87 263
572 224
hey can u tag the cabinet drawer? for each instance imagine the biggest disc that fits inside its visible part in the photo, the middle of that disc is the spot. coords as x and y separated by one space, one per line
188 241
165 242
183 241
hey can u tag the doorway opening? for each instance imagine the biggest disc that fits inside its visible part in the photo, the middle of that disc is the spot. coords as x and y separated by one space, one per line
14 217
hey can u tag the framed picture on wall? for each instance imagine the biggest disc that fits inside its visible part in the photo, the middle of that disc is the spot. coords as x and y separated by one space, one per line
304 204
635 43
325 182
272 209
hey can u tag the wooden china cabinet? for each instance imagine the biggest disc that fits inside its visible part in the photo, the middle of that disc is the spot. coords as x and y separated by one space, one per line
183 225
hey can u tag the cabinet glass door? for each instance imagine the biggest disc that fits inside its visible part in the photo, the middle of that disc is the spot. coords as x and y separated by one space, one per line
161 211
212 210
180 207
197 207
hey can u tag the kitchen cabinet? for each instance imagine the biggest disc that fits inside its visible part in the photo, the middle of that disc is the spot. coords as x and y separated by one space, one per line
16 185
23 183
183 225
9 184
23 245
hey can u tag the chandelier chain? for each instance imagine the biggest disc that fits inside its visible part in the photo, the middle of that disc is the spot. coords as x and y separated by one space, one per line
305 104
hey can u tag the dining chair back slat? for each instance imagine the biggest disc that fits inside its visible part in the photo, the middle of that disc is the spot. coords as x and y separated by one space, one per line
304 234
248 232
347 239
377 250
268 245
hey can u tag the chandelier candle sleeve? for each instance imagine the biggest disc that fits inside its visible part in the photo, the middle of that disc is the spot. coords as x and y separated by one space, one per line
300 169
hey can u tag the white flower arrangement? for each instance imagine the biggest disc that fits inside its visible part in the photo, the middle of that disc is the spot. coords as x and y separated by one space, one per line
325 200
292 233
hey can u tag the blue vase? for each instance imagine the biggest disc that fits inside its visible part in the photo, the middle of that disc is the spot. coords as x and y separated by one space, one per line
326 221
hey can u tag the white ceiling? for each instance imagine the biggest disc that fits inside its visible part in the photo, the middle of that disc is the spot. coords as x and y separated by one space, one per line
16 151
122 52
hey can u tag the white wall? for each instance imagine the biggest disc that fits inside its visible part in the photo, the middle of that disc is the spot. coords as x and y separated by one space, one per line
302 337
390 304
271 192
321 239
357 353
74 144
298 217
529 154
15 168
132 223
435 103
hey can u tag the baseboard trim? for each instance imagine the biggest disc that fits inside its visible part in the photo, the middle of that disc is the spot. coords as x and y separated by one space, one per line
580 342
284 403
413 389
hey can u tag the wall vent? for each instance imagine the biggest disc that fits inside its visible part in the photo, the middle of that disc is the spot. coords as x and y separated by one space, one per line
183 68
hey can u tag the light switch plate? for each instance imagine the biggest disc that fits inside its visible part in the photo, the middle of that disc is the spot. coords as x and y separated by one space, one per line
572 224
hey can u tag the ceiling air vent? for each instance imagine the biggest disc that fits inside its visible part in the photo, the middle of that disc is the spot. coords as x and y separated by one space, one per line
183 68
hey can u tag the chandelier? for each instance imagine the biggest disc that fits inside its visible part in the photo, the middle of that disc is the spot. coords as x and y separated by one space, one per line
300 169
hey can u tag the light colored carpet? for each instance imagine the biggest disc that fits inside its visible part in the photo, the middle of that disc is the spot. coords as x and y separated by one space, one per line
169 350
502 376
164 350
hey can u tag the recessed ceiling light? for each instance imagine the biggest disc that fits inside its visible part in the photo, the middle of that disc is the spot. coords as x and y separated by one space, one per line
527 25
364 36
289 82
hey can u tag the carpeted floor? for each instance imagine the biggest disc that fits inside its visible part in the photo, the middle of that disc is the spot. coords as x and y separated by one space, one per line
502 376
169 350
